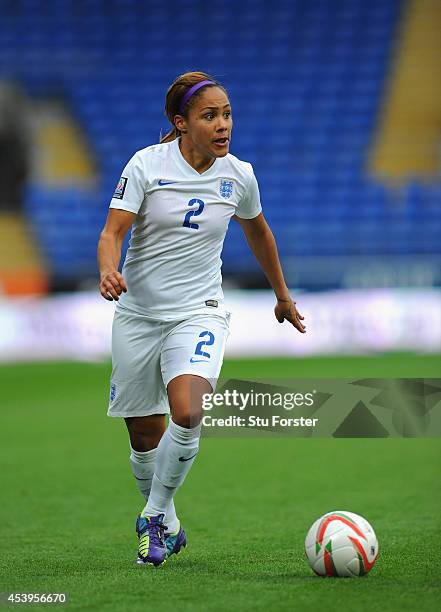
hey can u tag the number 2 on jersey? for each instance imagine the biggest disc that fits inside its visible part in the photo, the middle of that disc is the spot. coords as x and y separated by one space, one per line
193 213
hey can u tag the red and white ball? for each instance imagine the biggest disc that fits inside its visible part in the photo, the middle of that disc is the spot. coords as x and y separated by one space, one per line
342 544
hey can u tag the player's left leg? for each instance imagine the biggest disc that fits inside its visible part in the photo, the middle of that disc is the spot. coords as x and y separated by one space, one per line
189 373
177 450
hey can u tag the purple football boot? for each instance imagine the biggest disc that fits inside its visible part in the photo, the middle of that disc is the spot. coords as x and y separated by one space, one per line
151 549
175 541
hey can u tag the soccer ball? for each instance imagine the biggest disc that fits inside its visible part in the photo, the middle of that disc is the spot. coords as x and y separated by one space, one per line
341 543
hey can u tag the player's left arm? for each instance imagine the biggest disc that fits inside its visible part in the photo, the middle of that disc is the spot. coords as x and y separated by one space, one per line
263 245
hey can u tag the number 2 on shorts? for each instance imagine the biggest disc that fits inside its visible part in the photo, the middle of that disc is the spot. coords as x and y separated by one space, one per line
200 345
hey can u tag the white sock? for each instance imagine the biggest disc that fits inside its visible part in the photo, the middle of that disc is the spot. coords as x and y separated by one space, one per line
143 467
176 453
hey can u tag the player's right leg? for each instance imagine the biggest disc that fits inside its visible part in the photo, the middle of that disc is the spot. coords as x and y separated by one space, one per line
138 395
145 433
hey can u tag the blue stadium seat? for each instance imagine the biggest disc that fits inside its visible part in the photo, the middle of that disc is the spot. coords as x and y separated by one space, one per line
305 99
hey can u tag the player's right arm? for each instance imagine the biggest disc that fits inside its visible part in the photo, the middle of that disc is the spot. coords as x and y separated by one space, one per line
112 283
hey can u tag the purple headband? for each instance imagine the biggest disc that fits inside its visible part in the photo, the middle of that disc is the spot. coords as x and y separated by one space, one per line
191 91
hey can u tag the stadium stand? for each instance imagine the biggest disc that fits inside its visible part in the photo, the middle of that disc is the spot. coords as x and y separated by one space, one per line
305 103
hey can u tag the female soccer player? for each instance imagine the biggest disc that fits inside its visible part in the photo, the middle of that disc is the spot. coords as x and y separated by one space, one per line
170 325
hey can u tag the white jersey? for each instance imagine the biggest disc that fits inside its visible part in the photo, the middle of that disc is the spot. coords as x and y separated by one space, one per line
173 264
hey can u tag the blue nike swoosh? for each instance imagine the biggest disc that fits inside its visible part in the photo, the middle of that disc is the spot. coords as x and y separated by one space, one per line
193 360
161 182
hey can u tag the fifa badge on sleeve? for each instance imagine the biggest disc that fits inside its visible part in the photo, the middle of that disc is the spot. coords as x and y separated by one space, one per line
120 188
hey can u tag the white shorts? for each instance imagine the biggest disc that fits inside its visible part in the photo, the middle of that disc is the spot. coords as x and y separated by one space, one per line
148 354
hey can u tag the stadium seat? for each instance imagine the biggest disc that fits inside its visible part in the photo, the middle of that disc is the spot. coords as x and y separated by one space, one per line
305 101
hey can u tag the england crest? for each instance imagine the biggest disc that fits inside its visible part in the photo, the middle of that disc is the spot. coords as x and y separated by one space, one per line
226 188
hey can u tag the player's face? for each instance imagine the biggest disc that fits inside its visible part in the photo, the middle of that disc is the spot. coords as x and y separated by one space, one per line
209 123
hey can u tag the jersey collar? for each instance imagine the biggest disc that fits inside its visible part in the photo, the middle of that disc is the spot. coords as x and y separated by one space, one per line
183 163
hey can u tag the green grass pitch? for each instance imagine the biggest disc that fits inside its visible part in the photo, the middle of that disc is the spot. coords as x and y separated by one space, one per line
69 502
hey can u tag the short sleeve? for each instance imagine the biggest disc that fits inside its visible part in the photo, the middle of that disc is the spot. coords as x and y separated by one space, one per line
130 190
249 206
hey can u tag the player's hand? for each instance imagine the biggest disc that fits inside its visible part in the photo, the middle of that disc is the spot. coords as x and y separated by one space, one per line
286 310
112 284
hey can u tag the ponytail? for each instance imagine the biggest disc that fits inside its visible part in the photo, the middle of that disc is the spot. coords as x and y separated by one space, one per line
170 136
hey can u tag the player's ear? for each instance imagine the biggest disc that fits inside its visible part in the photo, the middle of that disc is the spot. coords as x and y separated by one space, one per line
181 124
